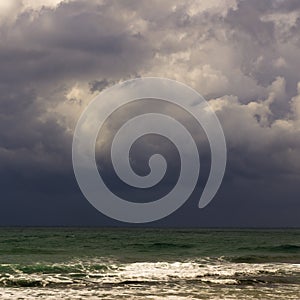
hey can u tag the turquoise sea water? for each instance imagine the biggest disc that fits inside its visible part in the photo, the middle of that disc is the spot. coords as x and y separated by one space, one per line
97 263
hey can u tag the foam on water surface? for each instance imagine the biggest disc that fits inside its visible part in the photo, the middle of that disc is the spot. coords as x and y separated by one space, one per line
149 264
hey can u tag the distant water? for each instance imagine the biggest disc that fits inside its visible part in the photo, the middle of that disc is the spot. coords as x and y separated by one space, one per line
64 263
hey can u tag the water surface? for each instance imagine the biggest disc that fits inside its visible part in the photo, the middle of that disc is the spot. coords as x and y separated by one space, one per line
93 263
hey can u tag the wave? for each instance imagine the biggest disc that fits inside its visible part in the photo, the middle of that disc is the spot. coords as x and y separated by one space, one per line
264 259
286 248
204 271
170 245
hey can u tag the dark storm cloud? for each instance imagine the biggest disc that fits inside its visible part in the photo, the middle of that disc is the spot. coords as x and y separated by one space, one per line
44 50
76 39
243 56
99 85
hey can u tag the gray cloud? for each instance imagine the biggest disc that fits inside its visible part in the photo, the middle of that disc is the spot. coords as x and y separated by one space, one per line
243 56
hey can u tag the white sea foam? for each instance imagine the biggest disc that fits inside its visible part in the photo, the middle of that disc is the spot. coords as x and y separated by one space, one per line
215 271
213 279
160 292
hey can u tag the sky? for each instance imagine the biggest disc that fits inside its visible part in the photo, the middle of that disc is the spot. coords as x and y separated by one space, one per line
242 56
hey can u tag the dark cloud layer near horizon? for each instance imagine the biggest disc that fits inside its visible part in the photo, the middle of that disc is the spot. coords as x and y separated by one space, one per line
242 56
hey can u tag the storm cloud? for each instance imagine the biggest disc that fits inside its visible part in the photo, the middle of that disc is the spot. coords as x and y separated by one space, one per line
242 56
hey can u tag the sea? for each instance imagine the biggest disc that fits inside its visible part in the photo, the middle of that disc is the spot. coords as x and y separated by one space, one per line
149 263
